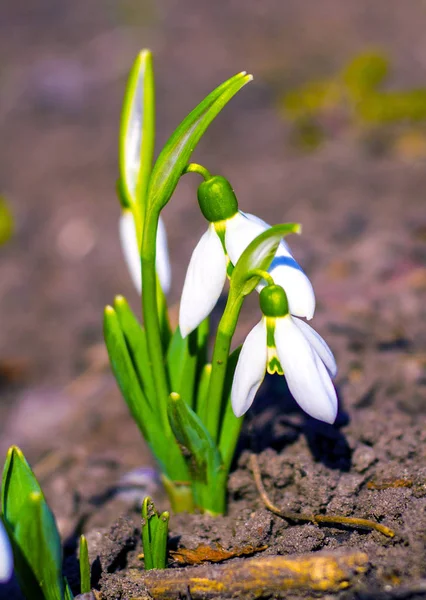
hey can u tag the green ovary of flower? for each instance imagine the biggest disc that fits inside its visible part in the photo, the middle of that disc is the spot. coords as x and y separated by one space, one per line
273 301
217 199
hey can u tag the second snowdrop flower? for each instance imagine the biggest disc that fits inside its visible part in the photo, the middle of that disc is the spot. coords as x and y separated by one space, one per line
229 233
284 344
129 244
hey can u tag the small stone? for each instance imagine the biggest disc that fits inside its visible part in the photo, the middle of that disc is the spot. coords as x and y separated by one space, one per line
362 458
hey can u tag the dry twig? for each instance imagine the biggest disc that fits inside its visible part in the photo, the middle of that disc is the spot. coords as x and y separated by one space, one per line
256 577
317 519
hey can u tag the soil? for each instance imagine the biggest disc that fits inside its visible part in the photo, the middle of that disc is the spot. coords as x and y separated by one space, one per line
360 198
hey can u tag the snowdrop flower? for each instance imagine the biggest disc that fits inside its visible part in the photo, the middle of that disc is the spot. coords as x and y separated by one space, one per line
6 556
229 233
131 253
283 344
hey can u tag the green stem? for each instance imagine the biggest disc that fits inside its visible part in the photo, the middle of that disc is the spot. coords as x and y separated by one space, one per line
150 313
180 495
263 274
175 464
195 168
225 331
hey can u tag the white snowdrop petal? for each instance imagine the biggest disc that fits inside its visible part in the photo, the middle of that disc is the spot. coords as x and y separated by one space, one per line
283 244
250 370
240 232
162 262
129 245
6 556
131 253
319 345
133 140
204 281
287 273
306 375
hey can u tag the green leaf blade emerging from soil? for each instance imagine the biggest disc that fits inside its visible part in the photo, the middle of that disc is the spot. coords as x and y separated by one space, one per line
32 529
155 430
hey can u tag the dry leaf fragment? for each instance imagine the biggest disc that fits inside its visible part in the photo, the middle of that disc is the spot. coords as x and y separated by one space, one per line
384 485
203 553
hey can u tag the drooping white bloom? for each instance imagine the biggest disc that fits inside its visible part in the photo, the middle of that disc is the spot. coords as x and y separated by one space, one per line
206 272
305 358
131 253
241 230
6 556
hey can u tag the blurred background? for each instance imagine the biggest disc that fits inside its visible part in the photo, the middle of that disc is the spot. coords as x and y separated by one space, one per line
331 133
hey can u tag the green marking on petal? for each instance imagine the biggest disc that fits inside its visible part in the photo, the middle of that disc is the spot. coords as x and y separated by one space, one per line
274 365
220 228
270 331
229 268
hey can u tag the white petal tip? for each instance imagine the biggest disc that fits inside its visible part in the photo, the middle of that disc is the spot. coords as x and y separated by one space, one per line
329 416
6 556
184 331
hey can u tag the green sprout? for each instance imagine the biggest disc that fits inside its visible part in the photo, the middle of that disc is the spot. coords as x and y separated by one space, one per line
155 529
84 562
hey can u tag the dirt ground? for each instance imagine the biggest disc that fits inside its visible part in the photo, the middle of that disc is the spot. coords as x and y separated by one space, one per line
62 72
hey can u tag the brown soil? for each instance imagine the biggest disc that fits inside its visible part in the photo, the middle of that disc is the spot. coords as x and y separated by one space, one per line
363 245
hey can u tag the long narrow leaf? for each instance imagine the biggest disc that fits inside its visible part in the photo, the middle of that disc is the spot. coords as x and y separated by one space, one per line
125 374
84 563
231 425
148 528
185 361
160 545
32 530
204 458
154 428
178 149
135 338
202 394
68 595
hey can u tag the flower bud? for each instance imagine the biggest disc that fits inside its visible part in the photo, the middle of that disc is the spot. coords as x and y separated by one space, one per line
217 199
273 301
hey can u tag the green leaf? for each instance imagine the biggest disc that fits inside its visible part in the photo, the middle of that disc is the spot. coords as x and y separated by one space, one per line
258 255
178 149
32 530
148 528
6 222
192 435
68 595
175 359
160 545
154 535
202 394
137 131
135 338
154 428
125 374
84 562
231 425
185 360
